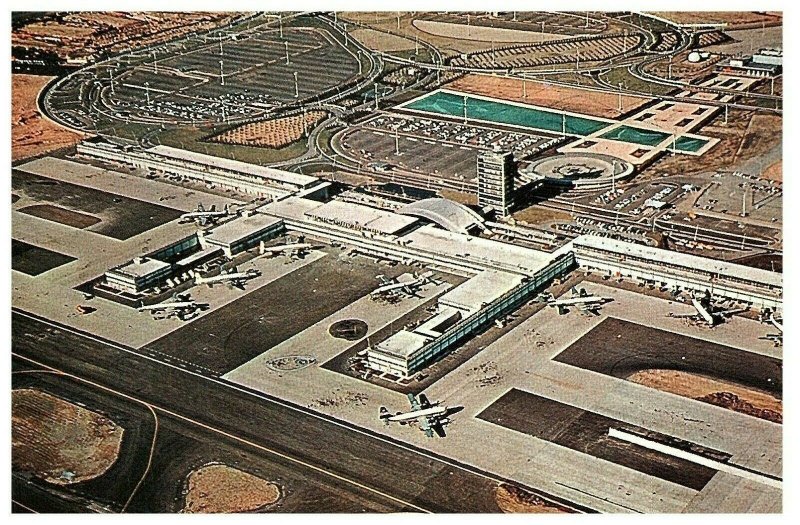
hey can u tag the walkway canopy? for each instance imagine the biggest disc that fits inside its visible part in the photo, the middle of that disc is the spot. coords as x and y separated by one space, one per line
450 215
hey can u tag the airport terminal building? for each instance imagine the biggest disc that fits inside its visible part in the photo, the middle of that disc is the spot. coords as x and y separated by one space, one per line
762 288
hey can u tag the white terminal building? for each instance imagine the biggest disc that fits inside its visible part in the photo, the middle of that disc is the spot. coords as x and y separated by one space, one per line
228 239
434 232
139 274
241 234
240 176
762 288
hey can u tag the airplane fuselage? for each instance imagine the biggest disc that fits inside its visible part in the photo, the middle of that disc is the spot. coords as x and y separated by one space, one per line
225 277
579 300
168 306
416 414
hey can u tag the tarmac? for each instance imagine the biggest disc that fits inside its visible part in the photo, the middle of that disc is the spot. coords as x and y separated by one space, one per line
518 360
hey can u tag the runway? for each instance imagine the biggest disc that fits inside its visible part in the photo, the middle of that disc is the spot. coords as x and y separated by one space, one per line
370 466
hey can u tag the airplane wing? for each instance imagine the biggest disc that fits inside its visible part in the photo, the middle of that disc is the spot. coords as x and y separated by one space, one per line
425 425
683 316
414 402
423 401
438 428
732 311
590 309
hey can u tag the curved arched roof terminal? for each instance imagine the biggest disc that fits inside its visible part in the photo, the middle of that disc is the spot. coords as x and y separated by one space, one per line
450 215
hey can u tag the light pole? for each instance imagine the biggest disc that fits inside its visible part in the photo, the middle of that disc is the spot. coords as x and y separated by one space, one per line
296 87
360 67
619 97
280 24
147 92
221 75
286 44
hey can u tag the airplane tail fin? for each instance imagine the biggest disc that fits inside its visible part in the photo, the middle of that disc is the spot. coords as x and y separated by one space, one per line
384 415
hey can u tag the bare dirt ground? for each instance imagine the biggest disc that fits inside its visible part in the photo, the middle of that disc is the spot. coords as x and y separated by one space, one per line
774 171
511 499
746 136
734 19
387 21
275 133
540 215
32 134
223 489
381 41
483 33
721 393
61 215
59 441
459 196
83 34
595 103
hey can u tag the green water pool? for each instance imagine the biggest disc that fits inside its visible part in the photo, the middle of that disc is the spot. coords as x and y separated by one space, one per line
633 135
490 111
455 105
689 143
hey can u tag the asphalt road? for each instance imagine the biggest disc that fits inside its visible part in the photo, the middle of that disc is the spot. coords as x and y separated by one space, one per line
369 465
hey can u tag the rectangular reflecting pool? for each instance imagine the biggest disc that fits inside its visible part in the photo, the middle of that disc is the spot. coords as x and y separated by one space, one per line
494 111
456 105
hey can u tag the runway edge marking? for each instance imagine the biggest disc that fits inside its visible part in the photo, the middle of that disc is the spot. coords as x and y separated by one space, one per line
324 417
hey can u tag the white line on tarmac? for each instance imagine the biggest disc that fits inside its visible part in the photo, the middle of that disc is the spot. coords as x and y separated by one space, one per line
227 435
353 428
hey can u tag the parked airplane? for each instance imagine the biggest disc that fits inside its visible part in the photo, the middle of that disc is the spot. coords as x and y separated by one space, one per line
768 315
231 278
584 301
203 217
296 250
706 311
181 307
406 286
431 417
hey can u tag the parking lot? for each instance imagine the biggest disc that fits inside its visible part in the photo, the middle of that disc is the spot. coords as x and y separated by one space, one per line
730 193
435 147
208 78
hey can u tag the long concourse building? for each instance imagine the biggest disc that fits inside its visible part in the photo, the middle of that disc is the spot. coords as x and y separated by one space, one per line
762 288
